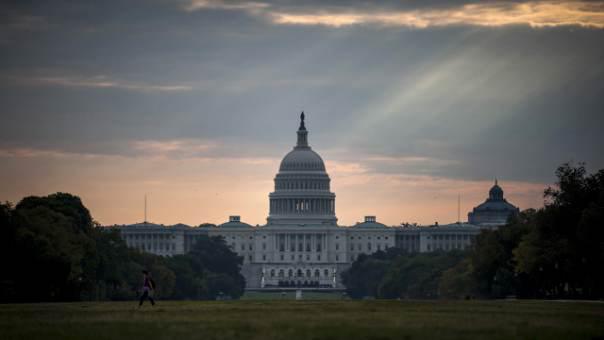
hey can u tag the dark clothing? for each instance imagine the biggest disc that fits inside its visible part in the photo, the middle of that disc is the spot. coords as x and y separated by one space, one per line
146 296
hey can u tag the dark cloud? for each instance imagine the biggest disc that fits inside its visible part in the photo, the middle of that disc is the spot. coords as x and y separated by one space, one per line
459 101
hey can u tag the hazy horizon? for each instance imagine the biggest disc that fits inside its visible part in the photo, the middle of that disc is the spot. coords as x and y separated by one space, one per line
195 102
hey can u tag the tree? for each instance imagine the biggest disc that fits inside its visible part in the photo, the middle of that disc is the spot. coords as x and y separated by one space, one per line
211 268
458 282
562 254
418 276
52 250
49 248
397 274
364 276
492 257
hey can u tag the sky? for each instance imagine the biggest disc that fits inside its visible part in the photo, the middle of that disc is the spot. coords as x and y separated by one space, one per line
193 103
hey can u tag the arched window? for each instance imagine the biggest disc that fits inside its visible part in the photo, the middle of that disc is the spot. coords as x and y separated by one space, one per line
307 272
326 272
300 274
272 273
281 273
317 274
290 273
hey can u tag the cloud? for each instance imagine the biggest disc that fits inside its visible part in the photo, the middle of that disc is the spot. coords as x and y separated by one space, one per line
147 149
486 14
174 147
396 197
195 189
32 153
250 6
100 82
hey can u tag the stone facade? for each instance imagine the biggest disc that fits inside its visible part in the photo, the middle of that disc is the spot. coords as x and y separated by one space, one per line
301 245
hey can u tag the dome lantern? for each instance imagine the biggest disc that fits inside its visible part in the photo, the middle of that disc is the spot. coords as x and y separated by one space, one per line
496 193
302 134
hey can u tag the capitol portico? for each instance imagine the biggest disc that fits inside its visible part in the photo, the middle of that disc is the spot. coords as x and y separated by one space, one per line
302 245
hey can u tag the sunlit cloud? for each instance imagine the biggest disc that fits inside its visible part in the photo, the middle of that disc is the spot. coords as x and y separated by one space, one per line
487 14
534 14
101 82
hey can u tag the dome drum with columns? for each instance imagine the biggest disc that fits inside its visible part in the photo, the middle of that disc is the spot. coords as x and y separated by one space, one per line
302 194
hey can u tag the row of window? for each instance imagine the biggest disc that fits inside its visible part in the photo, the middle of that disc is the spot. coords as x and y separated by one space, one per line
147 236
408 237
446 246
301 247
299 273
359 247
292 257
452 237
154 246
368 237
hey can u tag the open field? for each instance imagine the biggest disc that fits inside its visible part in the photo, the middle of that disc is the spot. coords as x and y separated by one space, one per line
305 320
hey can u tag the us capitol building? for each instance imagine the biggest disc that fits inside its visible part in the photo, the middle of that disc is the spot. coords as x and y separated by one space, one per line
302 245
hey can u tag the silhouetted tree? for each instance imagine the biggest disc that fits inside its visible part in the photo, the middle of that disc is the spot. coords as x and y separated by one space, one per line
51 250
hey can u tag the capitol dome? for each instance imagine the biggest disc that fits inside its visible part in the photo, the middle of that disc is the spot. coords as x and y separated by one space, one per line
302 159
302 193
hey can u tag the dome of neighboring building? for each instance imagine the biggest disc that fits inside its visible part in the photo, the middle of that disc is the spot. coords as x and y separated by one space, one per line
494 211
370 222
234 222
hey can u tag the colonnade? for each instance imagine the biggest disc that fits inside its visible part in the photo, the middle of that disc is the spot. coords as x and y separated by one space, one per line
301 242
302 184
311 206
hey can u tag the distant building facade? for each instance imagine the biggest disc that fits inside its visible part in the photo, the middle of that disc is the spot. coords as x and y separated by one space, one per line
495 211
301 245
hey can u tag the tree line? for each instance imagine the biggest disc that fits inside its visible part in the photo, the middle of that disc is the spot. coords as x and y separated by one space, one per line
556 251
52 250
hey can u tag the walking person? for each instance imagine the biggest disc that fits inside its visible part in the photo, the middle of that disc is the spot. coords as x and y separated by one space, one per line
148 289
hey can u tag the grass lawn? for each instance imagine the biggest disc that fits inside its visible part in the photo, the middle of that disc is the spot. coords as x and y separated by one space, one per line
287 319
291 295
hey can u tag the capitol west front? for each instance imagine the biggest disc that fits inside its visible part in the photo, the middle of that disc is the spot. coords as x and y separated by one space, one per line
302 245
